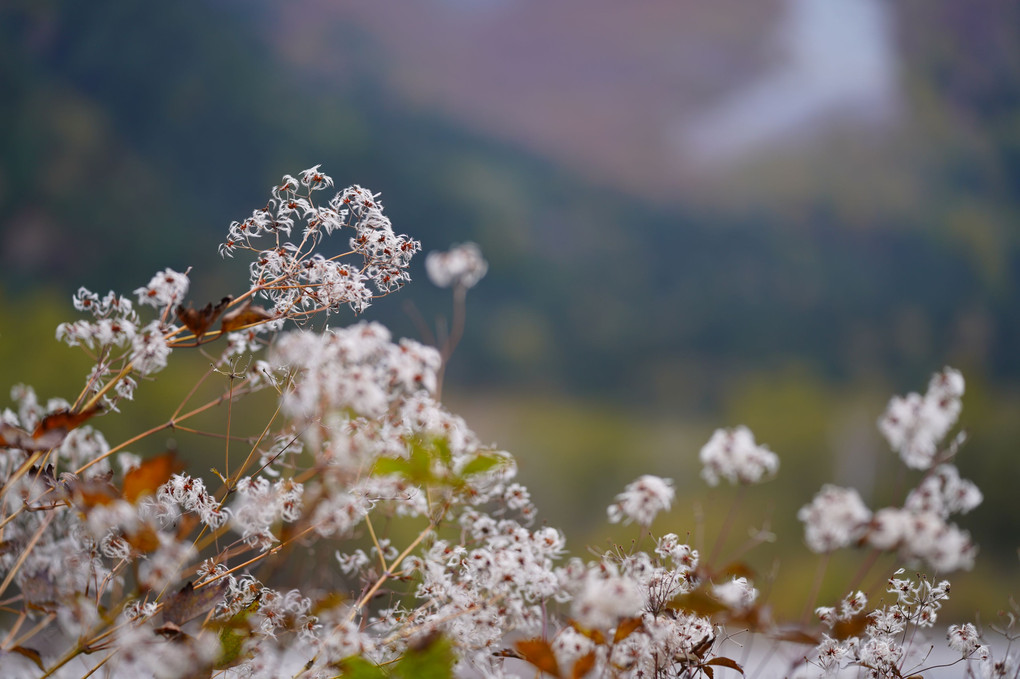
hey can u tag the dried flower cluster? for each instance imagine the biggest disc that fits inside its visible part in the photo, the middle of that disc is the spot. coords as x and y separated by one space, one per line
368 532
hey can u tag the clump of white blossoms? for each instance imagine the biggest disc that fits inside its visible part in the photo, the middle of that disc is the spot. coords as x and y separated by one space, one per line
893 637
642 500
286 268
919 530
462 266
733 455
836 517
437 564
914 425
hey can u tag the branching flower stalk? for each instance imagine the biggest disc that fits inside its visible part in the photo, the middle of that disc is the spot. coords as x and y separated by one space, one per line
367 532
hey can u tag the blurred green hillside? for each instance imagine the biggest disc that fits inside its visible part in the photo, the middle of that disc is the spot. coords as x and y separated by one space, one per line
133 136
616 328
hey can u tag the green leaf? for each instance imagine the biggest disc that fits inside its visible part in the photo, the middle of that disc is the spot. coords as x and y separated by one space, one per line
442 448
233 632
417 467
359 668
433 659
231 642
389 465
482 463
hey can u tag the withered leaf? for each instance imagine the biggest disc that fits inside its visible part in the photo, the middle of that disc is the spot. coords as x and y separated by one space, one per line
10 546
91 492
49 433
186 524
64 421
144 540
169 631
698 602
150 475
583 666
626 627
31 654
726 662
593 634
854 627
244 316
45 475
738 569
539 653
199 320
189 603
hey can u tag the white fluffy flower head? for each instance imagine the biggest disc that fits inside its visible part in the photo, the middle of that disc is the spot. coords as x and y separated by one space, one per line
642 500
460 266
733 455
914 425
835 518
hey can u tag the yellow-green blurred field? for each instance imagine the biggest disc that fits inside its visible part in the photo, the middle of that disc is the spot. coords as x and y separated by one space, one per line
575 455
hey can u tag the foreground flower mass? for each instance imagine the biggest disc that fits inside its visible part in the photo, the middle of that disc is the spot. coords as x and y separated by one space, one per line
367 532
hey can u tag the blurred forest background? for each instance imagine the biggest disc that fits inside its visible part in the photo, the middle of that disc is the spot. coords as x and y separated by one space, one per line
775 213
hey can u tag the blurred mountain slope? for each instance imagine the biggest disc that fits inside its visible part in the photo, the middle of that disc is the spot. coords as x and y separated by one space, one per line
870 246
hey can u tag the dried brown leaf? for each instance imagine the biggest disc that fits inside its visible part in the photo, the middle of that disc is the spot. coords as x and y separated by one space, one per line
583 666
626 627
199 320
31 654
726 662
150 475
189 603
244 316
539 653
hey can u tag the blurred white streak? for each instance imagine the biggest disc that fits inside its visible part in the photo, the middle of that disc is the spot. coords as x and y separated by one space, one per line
837 64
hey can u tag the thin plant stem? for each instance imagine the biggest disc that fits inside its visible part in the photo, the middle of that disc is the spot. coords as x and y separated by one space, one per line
727 524
26 551
823 564
387 572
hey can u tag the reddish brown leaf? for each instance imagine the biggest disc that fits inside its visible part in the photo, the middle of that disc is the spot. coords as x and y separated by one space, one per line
92 493
150 475
592 634
31 654
583 666
738 569
726 662
64 420
698 602
539 653
244 316
144 540
704 647
169 631
199 320
186 524
626 627
854 627
10 546
49 433
189 603
328 602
